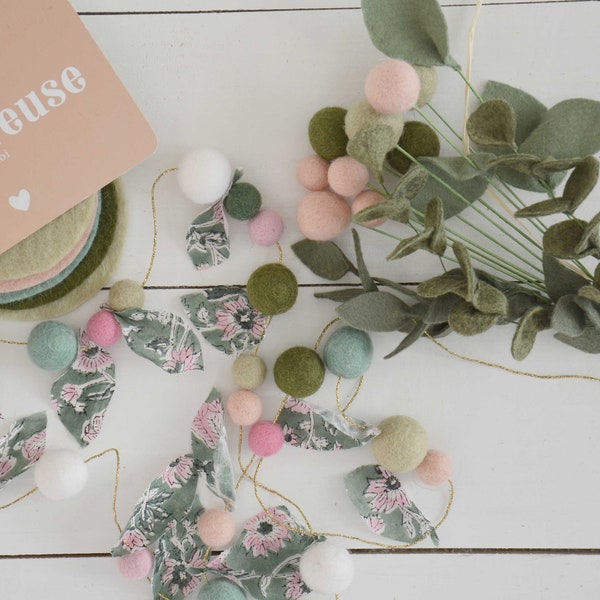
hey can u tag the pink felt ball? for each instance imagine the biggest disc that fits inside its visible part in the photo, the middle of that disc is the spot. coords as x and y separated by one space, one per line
265 438
392 87
265 228
347 176
216 527
311 172
364 200
137 565
435 469
323 216
244 407
104 329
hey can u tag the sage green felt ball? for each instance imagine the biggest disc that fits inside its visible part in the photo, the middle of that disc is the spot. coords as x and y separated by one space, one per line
417 139
221 589
125 294
52 345
299 372
249 371
243 201
348 352
362 115
402 444
272 289
429 80
326 132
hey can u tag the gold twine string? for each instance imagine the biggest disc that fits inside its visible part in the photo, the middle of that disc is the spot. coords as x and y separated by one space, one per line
342 409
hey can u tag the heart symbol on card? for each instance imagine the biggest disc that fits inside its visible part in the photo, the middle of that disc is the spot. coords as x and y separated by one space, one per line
21 201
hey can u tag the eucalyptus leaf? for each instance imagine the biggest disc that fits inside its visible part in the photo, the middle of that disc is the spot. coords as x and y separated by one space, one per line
561 239
589 243
439 309
412 30
395 210
411 337
467 320
581 182
553 165
452 282
523 163
589 292
560 279
588 341
568 318
459 168
434 218
544 208
341 295
365 278
410 184
375 311
493 123
419 241
591 310
464 260
399 287
370 147
536 319
324 259
487 299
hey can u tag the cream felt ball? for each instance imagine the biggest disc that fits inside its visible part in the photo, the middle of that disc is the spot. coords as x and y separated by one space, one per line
327 568
348 352
435 469
244 407
402 444
392 87
311 172
265 438
125 294
60 474
136 565
429 79
362 115
249 371
221 589
216 527
323 216
347 177
104 329
204 175
52 345
365 200
265 228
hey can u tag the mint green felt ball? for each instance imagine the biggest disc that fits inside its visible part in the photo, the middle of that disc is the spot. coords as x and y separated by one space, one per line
243 201
299 372
221 589
348 352
52 345
272 289
327 134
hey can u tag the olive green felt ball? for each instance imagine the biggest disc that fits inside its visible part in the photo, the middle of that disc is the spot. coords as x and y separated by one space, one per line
125 294
348 352
429 80
362 115
243 201
299 372
249 371
326 132
272 289
417 139
52 345
402 444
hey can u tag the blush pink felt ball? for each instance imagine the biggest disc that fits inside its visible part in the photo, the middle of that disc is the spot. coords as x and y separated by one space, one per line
137 565
104 329
244 407
392 87
216 527
265 438
347 176
311 172
265 228
365 200
435 469
323 216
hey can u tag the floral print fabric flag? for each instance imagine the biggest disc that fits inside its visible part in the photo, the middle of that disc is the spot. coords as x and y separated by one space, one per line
207 240
226 318
180 558
308 426
385 507
168 497
22 446
81 395
265 558
162 338
209 447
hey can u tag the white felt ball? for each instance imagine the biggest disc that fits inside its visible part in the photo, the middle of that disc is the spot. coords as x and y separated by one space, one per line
327 568
204 175
60 474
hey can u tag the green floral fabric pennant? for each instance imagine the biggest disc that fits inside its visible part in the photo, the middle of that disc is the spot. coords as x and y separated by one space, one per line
81 395
163 338
265 558
226 319
179 560
385 507
207 239
22 446
311 427
168 497
209 447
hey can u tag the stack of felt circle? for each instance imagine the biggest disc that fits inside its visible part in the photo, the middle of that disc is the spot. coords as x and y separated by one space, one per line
66 262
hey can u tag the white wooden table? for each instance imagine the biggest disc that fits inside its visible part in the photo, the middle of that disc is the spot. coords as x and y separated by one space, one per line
245 76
